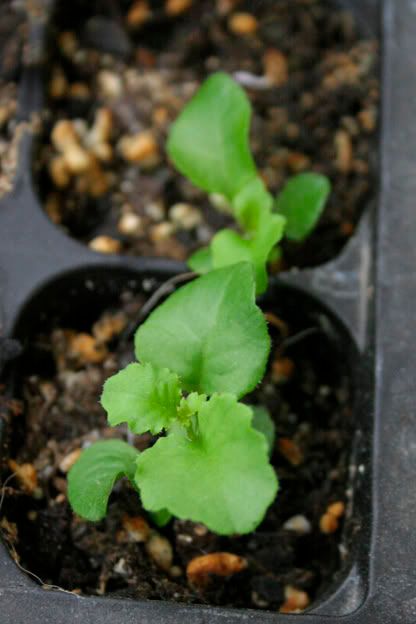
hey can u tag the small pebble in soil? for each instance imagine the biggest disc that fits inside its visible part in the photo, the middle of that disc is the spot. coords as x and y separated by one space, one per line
69 460
141 148
329 521
135 528
290 451
344 151
130 224
185 216
282 369
176 7
298 524
109 326
110 84
138 14
105 244
85 349
26 475
296 600
160 551
201 569
275 67
243 24
162 231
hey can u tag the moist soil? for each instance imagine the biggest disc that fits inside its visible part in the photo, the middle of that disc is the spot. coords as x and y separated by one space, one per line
310 75
13 36
295 555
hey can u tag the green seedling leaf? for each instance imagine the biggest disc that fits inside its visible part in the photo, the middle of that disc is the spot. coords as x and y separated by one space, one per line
250 203
190 406
223 478
228 247
93 476
263 422
208 142
210 333
143 396
161 518
302 201
201 261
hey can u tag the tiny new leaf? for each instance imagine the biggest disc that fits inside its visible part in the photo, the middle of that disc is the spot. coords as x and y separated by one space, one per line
144 397
92 477
208 142
250 202
210 333
302 201
223 478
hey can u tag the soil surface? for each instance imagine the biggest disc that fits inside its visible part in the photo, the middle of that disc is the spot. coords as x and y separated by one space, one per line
291 559
121 72
13 36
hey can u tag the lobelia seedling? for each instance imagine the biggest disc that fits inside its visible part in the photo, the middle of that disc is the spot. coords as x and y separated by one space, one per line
209 144
198 353
206 347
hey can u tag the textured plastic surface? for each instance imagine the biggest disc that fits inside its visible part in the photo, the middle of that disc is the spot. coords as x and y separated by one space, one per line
369 288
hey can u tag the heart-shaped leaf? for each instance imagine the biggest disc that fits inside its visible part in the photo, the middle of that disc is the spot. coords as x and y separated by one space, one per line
223 478
210 333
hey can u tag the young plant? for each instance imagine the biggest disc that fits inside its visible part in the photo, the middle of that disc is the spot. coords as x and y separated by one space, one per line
207 345
209 144
198 353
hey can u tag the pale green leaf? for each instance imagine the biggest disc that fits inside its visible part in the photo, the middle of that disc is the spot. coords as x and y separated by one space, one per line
222 479
92 477
228 247
201 261
161 518
250 203
210 333
190 406
208 142
143 396
302 201
263 422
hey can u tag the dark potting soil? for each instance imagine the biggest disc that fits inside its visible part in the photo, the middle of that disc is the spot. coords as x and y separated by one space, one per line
122 71
13 36
293 556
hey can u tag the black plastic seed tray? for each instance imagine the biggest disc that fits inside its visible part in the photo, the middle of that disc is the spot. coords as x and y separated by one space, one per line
366 297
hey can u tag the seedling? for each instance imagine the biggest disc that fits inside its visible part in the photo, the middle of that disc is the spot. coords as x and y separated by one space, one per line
198 353
207 345
209 144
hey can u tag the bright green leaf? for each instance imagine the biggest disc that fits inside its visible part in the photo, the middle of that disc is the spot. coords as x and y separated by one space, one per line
302 201
263 422
92 477
223 479
228 247
161 518
143 396
190 406
210 333
250 203
201 261
208 142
